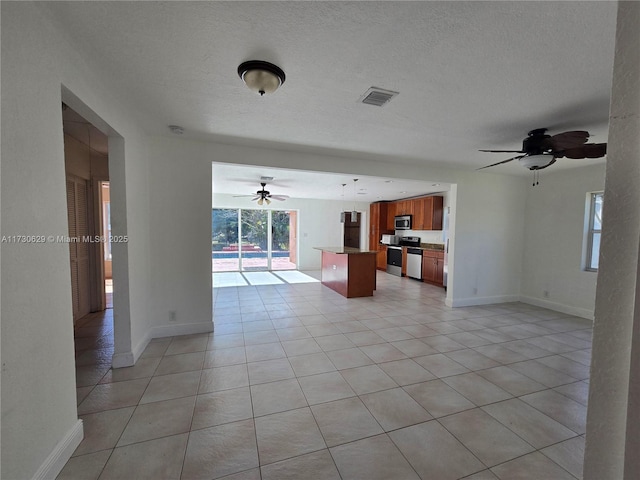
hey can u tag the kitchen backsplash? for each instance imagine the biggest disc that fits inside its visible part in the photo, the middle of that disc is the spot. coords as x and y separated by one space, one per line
426 236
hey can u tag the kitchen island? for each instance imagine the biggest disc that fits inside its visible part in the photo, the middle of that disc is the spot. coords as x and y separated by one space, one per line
349 271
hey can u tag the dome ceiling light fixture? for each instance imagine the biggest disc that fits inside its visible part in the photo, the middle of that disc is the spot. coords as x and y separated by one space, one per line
261 77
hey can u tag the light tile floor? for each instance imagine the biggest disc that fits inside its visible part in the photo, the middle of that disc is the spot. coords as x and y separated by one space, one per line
298 382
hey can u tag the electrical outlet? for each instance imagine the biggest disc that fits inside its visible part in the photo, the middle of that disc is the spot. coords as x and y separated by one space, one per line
173 316
546 294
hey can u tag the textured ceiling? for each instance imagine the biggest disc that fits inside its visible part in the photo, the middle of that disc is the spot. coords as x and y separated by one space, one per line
471 75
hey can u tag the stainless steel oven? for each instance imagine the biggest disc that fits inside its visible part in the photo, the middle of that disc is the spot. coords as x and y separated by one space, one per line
394 260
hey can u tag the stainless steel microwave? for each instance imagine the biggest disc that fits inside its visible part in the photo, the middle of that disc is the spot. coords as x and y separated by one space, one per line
403 222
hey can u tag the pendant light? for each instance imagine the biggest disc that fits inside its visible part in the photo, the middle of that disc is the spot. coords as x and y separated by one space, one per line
354 212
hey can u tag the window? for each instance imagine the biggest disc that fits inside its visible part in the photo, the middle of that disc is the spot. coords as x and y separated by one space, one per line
594 232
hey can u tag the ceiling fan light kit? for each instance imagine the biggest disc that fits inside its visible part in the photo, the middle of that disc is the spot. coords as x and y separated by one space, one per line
537 162
540 150
264 195
261 77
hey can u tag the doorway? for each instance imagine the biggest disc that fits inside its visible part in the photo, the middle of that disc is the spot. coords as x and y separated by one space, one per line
246 240
105 203
88 213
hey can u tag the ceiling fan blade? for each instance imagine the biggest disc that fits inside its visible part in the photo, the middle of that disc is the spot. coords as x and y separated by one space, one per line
567 140
500 163
252 195
502 151
590 150
278 197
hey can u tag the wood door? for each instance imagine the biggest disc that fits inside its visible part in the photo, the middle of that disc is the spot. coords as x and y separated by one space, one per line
78 222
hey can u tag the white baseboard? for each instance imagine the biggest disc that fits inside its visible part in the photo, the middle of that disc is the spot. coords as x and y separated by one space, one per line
57 459
473 301
558 307
181 329
128 359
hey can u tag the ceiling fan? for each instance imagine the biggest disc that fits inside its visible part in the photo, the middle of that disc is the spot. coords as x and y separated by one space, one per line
264 195
540 150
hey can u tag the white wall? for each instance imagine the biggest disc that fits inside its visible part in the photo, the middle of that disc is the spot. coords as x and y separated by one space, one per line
487 226
553 255
487 233
39 416
318 223
180 248
613 418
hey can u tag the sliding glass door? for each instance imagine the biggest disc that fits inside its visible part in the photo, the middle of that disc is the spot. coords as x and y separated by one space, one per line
254 232
253 240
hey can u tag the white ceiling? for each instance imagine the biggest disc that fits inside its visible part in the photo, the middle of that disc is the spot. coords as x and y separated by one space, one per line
471 75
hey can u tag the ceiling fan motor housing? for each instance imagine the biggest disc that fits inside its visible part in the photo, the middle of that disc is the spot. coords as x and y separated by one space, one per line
537 142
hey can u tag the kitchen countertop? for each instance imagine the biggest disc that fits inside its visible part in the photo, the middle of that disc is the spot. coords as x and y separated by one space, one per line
438 247
346 250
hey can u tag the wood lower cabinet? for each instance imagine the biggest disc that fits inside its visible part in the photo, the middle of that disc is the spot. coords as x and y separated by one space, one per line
349 274
404 261
433 267
381 258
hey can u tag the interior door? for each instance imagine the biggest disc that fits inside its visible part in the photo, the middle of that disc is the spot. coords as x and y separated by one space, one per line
78 222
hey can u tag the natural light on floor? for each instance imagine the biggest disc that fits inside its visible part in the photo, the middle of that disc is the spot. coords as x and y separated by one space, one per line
238 279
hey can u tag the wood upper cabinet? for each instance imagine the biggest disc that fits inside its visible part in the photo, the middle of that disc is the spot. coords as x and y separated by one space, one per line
404 207
425 211
391 216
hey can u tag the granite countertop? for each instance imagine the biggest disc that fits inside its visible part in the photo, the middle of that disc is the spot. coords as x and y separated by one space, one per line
432 246
438 247
345 250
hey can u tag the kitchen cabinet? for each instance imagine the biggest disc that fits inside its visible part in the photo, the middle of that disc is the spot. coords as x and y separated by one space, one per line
433 267
391 216
404 207
381 258
427 213
404 261
349 271
378 214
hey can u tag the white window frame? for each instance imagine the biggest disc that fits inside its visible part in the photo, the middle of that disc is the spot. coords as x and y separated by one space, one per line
592 231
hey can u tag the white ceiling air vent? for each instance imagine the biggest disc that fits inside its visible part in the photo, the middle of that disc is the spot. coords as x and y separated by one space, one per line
377 96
